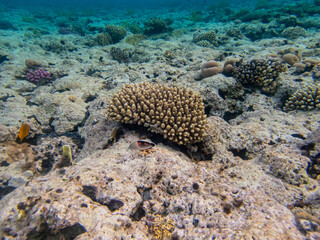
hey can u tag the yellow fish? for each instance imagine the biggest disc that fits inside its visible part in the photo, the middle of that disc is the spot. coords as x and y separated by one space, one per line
24 131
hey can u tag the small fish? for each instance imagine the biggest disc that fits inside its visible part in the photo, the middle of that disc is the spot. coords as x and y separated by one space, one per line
141 145
67 153
24 131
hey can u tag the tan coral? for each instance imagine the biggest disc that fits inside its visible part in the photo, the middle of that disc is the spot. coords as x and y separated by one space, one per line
306 98
290 59
177 114
210 68
229 66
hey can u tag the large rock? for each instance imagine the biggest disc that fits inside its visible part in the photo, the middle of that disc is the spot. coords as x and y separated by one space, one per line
118 193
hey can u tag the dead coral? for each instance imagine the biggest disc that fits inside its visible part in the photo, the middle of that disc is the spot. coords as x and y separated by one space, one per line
177 114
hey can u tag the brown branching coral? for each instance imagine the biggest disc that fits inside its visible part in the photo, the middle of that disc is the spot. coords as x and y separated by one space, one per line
262 73
177 114
307 98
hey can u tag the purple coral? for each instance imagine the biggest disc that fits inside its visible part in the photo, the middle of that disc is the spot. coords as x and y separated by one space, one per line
36 76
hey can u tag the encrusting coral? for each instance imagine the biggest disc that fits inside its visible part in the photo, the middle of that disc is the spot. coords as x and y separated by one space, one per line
177 114
307 98
262 73
290 58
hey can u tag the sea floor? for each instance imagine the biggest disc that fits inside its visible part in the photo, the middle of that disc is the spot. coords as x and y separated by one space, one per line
254 174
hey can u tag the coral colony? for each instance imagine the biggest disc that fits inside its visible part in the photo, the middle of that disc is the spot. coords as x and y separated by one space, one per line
35 76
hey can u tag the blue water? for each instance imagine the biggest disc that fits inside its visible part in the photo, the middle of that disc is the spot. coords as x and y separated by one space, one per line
73 4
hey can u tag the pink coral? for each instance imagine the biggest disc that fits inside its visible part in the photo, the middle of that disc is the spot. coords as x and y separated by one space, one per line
36 76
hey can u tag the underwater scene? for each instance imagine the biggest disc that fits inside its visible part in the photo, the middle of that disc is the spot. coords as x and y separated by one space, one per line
160 120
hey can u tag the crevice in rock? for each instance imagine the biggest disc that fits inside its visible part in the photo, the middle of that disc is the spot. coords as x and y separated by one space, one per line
242 153
138 213
112 203
47 164
90 98
5 191
144 193
30 103
297 135
70 232
5 98
63 90
4 164
313 169
3 58
90 191
231 115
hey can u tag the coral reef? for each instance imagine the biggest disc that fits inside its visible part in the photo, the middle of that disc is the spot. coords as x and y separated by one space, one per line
117 33
103 39
135 39
294 32
233 166
262 73
207 36
120 55
204 43
155 26
253 31
288 21
177 114
306 98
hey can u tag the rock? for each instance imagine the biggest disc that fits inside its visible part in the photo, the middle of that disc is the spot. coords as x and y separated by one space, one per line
4 133
116 193
286 164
